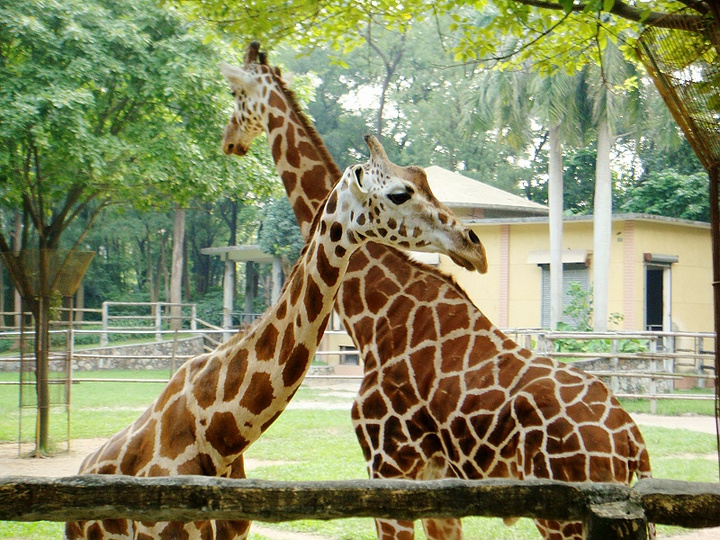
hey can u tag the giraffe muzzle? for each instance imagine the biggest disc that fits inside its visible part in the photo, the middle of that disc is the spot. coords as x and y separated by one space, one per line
472 255
235 149
478 264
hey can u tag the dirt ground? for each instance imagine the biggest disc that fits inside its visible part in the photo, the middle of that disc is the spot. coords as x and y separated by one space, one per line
67 464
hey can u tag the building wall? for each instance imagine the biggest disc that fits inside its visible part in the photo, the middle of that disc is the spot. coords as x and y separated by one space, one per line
692 296
509 245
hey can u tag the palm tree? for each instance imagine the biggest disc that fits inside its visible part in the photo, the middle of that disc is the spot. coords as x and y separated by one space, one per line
611 104
555 105
513 102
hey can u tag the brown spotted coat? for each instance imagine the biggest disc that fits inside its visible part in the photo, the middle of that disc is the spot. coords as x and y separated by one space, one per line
218 403
445 392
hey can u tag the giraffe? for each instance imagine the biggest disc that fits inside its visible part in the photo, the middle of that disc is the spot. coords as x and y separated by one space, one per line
445 393
218 403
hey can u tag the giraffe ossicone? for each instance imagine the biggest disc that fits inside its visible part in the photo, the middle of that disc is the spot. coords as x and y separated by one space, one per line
445 393
219 403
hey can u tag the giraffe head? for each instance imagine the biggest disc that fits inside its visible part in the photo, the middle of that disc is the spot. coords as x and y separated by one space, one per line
248 85
393 205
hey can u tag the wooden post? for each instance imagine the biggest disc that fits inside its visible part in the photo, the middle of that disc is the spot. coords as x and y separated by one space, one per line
104 334
158 322
714 178
620 520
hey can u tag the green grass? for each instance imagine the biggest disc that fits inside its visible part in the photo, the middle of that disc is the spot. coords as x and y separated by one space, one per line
316 444
674 407
98 409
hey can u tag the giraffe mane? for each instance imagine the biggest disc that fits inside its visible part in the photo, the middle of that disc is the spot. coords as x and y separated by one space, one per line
327 159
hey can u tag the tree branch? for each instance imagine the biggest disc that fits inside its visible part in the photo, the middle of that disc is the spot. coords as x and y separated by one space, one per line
82 236
63 218
621 9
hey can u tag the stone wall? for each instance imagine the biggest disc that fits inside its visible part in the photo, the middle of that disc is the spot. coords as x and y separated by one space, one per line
628 384
144 356
153 355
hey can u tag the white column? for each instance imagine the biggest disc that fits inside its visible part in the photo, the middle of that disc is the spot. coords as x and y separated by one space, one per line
228 297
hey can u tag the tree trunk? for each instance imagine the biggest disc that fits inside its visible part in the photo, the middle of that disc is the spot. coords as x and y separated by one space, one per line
555 202
602 228
187 290
42 347
251 280
163 270
42 353
177 268
79 314
17 241
150 278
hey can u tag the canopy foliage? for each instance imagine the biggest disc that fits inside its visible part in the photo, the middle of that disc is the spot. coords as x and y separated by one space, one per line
553 34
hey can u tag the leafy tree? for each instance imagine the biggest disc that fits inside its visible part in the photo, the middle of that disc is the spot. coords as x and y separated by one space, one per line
428 116
101 102
669 193
279 234
554 34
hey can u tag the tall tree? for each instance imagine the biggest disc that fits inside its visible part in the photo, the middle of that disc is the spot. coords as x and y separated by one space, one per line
612 102
555 106
100 102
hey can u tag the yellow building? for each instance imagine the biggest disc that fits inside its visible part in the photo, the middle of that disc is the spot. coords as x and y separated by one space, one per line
660 268
660 271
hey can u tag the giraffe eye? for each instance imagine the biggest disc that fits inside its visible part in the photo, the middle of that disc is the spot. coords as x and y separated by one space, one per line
399 198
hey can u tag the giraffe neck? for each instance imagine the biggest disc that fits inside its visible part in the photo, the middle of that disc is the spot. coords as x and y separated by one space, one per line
308 173
266 366
301 159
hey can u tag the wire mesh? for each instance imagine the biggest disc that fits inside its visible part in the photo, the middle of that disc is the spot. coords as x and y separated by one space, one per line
683 63
65 269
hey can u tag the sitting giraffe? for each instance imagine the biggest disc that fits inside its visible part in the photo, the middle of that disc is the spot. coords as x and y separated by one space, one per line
218 403
445 393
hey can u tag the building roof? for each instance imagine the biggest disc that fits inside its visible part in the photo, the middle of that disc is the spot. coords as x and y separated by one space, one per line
242 253
456 191
590 218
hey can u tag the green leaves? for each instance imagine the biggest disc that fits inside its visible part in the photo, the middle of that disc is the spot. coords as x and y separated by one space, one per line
552 36
119 98
567 5
669 193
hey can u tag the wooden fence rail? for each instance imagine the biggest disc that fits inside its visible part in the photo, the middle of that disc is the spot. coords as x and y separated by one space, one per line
609 511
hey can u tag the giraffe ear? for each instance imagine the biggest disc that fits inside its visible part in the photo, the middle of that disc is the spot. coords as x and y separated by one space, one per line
356 182
236 76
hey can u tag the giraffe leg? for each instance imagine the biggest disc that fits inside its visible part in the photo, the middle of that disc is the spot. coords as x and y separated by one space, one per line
559 530
445 529
394 530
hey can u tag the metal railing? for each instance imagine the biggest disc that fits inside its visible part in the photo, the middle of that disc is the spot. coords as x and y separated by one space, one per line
160 315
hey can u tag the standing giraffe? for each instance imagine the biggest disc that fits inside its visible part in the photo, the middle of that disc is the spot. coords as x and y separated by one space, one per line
445 392
218 403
